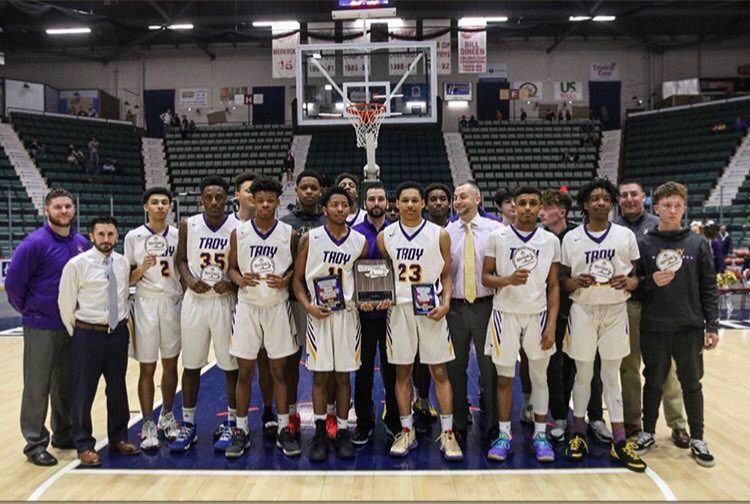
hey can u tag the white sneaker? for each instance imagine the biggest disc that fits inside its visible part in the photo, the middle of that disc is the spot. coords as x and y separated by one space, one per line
527 413
405 441
168 425
557 431
600 430
450 448
149 436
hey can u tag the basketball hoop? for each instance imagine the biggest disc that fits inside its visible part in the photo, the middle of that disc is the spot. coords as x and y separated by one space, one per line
366 119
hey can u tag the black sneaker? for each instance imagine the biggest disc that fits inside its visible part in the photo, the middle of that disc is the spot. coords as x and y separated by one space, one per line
577 448
624 453
422 420
288 444
319 445
240 442
700 452
362 435
270 423
344 447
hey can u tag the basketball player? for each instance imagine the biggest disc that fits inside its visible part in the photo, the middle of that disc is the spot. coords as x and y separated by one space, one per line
597 259
504 205
350 183
522 262
202 260
260 264
150 251
327 254
420 254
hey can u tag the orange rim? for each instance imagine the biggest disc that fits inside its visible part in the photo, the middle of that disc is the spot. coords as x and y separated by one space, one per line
366 112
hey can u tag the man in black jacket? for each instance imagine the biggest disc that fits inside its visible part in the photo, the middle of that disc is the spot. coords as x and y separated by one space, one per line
680 315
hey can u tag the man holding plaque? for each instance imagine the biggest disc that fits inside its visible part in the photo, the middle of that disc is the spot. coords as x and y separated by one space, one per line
202 260
150 250
420 252
324 268
260 264
680 316
597 259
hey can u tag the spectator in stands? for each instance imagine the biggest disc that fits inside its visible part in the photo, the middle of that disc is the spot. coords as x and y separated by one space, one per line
718 127
523 115
712 235
36 149
568 116
166 118
91 112
559 116
109 166
191 127
498 116
568 157
726 241
505 206
739 124
289 167
550 116
175 120
463 122
604 117
76 157
473 122
94 153
391 212
130 116
184 127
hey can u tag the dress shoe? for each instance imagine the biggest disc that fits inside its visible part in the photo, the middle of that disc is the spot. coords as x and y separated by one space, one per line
124 448
64 445
42 458
90 458
680 438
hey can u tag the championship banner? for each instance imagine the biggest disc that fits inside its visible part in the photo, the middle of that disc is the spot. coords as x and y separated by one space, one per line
194 96
472 49
354 66
398 63
443 42
283 55
529 90
327 62
605 72
568 91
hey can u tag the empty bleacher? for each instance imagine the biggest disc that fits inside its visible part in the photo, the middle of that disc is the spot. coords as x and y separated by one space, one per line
403 154
23 218
226 151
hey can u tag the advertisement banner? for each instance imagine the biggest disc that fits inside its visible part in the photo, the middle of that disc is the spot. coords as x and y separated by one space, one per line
227 95
472 50
568 91
194 96
283 55
605 72
443 43
529 90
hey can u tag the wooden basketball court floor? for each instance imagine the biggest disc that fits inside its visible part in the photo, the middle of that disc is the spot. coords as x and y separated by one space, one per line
672 475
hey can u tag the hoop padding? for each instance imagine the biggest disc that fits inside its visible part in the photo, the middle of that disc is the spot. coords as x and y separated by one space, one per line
366 119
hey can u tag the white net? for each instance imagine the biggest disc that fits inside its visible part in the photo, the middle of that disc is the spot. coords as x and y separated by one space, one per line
366 119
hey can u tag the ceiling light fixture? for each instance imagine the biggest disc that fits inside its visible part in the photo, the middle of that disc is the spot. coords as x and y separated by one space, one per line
68 31
579 18
182 26
604 18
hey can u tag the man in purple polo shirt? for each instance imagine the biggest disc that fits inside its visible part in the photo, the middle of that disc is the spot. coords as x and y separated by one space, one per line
32 285
373 334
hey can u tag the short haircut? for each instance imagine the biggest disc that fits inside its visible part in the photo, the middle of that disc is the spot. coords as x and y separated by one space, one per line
558 198
596 183
311 174
502 194
346 175
243 177
668 189
437 186
629 181
267 184
473 184
58 193
409 184
332 191
156 190
527 190
214 180
375 185
102 219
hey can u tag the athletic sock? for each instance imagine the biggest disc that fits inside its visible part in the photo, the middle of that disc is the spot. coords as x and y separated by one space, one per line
330 409
504 428
407 422
319 417
293 409
242 424
283 421
579 426
540 428
446 422
423 403
618 433
188 415
342 423
231 415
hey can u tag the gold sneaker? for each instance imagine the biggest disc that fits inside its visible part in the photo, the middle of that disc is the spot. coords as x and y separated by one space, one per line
405 441
450 448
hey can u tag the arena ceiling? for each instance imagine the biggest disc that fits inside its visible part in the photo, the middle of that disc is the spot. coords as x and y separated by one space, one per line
121 26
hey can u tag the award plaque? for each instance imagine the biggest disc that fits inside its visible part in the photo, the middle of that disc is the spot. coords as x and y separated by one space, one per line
373 280
669 260
156 245
263 266
212 274
602 270
525 258
423 297
329 293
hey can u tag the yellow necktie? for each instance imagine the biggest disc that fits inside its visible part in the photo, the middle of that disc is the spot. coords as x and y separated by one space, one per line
470 285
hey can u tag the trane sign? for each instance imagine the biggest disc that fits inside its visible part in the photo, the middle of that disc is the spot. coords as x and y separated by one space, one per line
605 71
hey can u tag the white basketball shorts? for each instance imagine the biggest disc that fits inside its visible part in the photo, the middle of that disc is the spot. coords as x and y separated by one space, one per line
335 342
270 327
507 333
407 333
157 328
205 319
602 327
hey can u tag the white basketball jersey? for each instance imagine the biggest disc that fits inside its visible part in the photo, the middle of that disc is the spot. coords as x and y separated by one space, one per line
357 218
209 246
163 278
416 257
503 244
580 248
328 256
264 253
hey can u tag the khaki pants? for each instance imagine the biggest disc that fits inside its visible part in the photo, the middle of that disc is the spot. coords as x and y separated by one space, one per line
630 375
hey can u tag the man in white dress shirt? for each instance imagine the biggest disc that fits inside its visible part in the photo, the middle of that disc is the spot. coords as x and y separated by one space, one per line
93 303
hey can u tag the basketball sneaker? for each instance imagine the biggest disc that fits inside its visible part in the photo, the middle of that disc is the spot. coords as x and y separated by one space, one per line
557 431
600 431
543 449
344 446
449 447
577 448
240 442
288 444
270 423
362 435
319 445
149 436
405 441
422 420
699 450
643 442
185 438
332 426
223 435
500 449
168 425
295 425
624 453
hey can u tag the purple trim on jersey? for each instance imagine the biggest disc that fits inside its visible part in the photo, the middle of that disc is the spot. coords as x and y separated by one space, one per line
264 236
209 226
601 238
521 237
406 235
356 216
164 234
342 240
